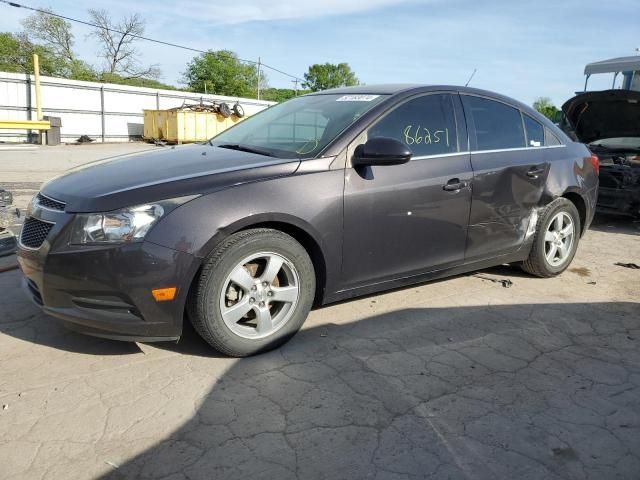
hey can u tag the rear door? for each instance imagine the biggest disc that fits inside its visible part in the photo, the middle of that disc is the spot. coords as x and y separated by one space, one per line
509 173
405 219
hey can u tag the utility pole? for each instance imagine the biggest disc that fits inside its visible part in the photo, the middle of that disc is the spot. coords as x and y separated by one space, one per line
295 82
258 78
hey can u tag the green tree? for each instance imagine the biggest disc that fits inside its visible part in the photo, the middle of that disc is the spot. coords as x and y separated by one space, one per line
222 73
322 77
16 55
546 108
280 94
54 32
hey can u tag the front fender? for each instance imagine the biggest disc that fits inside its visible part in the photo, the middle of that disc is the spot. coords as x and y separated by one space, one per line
311 202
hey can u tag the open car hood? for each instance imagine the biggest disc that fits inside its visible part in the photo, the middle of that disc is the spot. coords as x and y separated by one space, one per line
607 114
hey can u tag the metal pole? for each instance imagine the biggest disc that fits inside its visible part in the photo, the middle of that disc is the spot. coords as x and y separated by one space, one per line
157 100
102 112
258 78
36 74
29 106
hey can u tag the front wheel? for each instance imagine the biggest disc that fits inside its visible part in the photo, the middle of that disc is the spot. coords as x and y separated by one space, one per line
254 292
555 241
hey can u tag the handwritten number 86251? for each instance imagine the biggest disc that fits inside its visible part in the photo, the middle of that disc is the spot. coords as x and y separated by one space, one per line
419 135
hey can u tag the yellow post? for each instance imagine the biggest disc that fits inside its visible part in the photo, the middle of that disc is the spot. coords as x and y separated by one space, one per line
36 74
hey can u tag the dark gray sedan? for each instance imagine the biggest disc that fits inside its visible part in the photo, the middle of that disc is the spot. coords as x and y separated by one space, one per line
322 198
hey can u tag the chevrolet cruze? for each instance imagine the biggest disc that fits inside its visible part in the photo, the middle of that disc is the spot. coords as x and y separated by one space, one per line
321 198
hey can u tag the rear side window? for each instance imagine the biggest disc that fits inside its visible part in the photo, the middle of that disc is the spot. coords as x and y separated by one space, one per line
550 138
535 132
497 125
427 125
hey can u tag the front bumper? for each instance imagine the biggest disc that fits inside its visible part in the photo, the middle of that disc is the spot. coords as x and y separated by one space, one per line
619 189
106 291
620 201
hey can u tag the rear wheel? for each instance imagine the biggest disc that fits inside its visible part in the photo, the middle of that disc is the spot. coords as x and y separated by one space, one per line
555 241
254 292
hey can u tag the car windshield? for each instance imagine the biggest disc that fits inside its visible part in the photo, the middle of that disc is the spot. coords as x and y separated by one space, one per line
297 128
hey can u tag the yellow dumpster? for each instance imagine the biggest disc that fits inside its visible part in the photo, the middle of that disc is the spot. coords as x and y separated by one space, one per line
185 125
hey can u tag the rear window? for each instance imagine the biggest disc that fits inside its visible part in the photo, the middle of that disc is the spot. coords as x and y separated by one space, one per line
497 125
535 132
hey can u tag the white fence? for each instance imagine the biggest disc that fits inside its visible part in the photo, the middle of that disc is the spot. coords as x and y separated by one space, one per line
105 112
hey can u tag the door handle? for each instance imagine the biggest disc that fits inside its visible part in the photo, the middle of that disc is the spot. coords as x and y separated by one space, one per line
535 172
454 185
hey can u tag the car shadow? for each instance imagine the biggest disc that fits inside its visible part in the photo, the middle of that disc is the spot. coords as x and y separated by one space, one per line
20 318
619 224
484 392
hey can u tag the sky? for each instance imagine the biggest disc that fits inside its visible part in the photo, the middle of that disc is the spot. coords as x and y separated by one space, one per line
521 48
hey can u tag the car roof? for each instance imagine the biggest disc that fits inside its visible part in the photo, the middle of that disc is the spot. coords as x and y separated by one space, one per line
398 88
382 89
613 65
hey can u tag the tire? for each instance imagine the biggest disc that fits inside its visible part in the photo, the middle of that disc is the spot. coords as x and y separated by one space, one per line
233 280
224 110
541 262
238 110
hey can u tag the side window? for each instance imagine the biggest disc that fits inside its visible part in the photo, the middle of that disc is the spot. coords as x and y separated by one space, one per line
535 132
497 125
426 124
550 138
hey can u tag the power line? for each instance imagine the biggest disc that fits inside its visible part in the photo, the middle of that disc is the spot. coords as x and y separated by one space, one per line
161 42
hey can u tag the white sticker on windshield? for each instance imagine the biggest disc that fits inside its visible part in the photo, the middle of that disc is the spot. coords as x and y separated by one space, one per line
357 98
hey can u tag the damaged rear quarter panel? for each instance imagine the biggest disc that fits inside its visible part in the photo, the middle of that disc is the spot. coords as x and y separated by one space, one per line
571 172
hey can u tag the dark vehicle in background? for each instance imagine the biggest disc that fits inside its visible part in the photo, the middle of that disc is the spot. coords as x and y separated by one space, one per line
318 199
609 123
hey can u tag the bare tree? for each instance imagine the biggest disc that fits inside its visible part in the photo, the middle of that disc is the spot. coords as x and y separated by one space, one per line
117 40
53 31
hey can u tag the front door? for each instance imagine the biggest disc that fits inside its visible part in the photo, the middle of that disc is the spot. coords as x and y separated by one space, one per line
406 219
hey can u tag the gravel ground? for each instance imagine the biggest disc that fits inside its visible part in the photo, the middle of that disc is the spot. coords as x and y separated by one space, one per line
460 379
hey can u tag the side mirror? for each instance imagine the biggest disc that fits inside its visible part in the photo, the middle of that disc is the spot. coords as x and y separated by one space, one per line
381 151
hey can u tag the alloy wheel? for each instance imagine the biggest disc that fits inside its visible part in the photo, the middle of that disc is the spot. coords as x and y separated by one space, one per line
260 295
558 239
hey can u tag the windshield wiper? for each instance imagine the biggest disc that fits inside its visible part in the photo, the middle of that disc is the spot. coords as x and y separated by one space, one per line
246 148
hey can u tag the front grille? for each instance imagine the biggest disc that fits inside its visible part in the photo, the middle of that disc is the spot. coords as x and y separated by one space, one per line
34 232
50 203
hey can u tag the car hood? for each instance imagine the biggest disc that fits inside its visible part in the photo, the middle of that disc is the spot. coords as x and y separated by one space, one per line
606 114
160 174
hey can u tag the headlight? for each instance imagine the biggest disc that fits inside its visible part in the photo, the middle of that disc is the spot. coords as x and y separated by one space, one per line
126 225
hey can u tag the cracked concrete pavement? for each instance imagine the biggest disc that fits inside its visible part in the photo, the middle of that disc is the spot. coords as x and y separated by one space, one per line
455 379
